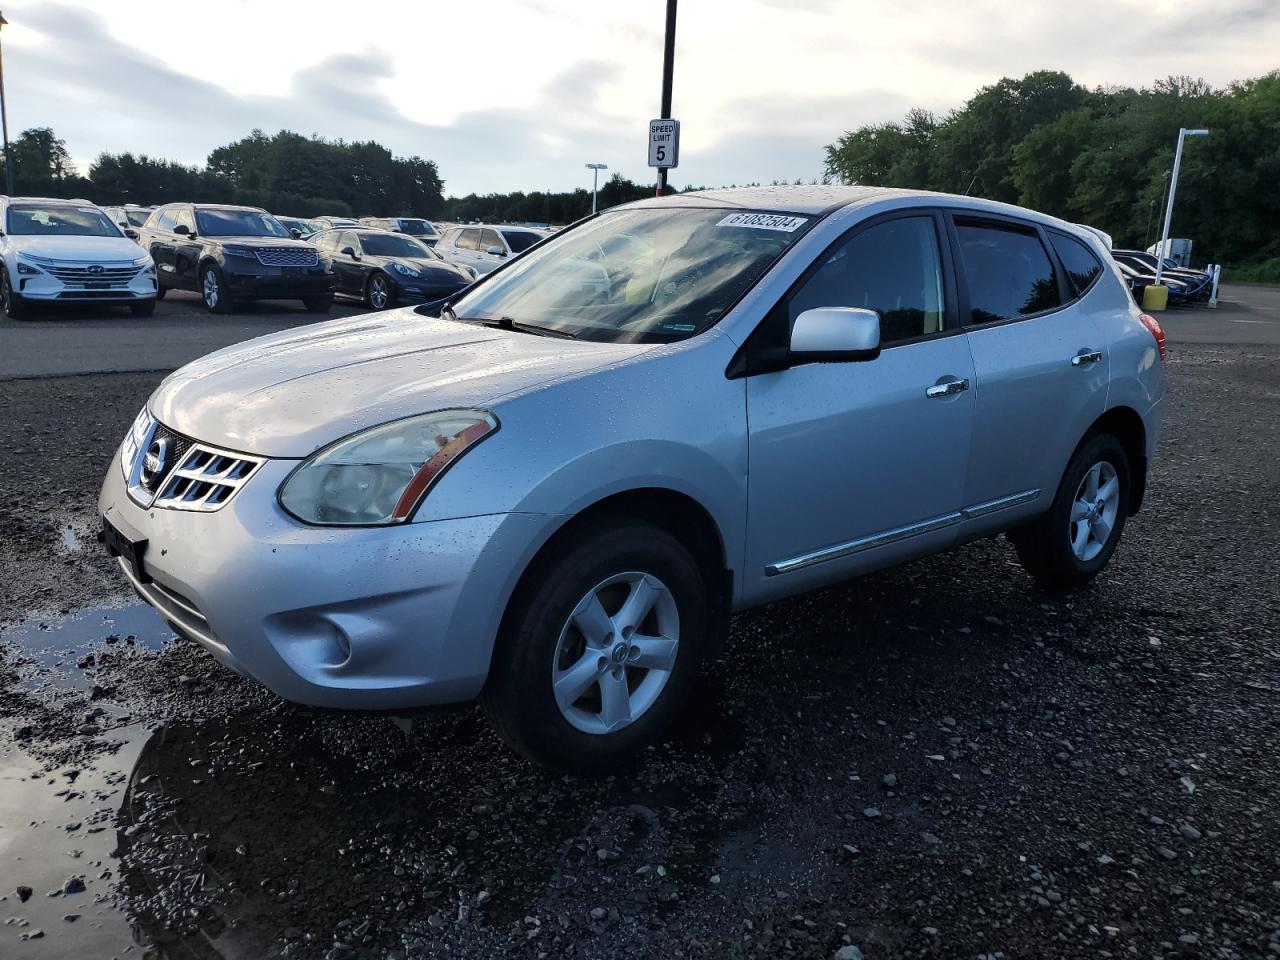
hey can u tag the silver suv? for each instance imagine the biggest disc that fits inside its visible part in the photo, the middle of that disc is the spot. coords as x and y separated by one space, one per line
554 495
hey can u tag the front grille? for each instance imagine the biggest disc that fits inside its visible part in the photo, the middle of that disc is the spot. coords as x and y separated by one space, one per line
287 257
96 295
177 441
78 276
204 479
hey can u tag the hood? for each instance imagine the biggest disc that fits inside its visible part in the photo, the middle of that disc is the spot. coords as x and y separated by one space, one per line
290 393
105 249
255 241
431 269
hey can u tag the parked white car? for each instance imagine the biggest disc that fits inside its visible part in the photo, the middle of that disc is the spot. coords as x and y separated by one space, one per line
486 247
69 251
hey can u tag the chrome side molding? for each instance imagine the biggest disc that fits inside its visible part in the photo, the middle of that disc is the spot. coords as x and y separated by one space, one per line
895 534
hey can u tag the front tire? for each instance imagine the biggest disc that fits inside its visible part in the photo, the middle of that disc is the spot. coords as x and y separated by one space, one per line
600 646
143 308
379 292
213 290
1069 545
15 307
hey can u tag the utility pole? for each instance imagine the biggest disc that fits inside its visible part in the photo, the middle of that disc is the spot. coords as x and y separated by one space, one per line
1183 133
668 66
4 122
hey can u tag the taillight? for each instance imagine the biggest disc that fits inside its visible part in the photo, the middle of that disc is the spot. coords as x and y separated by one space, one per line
1154 328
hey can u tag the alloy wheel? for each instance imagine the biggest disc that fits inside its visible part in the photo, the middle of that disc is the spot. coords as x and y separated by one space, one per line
616 652
210 289
378 293
1094 510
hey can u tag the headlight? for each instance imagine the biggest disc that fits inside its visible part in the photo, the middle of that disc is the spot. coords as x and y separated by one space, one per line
27 269
379 476
232 251
133 440
146 263
406 271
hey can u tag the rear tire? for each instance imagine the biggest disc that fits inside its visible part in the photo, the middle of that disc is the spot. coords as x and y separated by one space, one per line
213 290
543 641
143 308
15 307
1069 545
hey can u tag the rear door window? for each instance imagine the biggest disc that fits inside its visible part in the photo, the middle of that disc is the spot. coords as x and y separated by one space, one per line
1007 270
1078 261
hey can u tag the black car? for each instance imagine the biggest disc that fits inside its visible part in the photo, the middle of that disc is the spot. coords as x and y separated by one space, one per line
228 254
1198 284
383 268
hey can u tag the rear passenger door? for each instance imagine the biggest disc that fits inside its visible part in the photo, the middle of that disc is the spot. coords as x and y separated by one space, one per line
1040 365
186 249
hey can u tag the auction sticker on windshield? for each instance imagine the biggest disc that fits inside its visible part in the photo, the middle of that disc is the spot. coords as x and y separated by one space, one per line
764 221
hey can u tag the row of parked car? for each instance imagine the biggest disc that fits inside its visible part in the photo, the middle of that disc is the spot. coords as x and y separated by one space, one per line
75 251
1139 271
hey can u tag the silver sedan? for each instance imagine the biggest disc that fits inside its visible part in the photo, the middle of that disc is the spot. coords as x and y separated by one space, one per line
553 495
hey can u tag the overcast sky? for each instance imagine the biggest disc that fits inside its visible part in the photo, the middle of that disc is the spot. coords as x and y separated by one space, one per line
519 94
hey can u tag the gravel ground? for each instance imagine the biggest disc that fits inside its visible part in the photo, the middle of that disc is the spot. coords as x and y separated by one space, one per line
935 761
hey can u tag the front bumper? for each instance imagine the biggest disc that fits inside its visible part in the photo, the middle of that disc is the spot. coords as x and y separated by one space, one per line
411 291
366 618
252 281
45 288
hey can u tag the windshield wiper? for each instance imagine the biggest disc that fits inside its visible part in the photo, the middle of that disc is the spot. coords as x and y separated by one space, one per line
506 323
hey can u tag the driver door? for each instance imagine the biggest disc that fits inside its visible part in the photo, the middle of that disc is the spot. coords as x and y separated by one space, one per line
856 465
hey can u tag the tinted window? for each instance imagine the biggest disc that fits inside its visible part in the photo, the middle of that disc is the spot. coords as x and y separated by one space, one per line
892 268
216 222
137 218
1008 272
392 245
490 238
1081 265
419 228
520 240
468 240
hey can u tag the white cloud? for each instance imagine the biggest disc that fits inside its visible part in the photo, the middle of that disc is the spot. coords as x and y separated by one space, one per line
518 94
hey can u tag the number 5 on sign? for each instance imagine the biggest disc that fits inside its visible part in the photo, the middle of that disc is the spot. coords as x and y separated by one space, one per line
664 143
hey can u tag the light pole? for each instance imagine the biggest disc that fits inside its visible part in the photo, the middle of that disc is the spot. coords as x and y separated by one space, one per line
4 122
1183 133
668 68
595 169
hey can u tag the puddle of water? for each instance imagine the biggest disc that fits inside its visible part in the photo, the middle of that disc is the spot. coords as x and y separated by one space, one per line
71 540
47 652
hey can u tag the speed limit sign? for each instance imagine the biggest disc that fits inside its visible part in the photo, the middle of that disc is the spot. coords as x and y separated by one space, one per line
664 143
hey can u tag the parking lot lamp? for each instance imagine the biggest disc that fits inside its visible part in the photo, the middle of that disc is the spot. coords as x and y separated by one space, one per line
4 123
595 169
1183 133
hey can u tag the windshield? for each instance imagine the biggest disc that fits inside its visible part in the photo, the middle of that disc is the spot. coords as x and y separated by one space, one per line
521 240
30 220
417 228
238 223
392 245
637 276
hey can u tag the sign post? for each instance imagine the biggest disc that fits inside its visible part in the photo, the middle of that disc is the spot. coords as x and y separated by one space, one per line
668 67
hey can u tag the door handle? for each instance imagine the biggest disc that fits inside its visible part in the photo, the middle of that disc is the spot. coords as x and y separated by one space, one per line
1086 357
948 389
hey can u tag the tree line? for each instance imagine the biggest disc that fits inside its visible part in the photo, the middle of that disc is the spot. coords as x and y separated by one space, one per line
1097 156
294 175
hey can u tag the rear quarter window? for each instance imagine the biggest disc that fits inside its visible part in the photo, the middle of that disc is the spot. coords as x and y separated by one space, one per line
1078 261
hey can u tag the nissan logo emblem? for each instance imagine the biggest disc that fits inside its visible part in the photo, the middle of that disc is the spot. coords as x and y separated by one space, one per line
154 462
96 269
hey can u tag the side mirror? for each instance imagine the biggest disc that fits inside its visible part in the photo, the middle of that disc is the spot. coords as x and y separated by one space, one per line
182 230
496 252
349 252
832 334
297 234
131 233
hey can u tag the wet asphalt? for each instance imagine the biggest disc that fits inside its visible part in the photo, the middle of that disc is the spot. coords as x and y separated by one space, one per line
934 761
